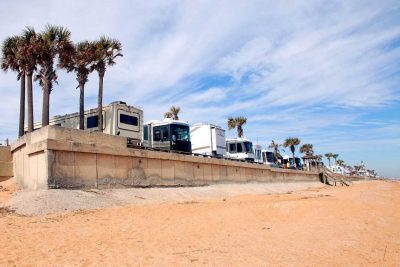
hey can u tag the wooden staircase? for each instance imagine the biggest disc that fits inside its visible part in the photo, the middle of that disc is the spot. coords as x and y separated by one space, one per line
334 179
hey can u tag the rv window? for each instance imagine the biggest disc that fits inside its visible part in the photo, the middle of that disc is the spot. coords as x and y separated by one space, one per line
92 121
248 146
181 132
270 157
164 131
146 132
239 147
131 120
157 134
232 147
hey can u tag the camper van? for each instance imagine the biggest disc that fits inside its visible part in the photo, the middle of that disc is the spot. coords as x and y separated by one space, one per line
208 139
257 154
118 119
268 157
288 162
240 148
168 135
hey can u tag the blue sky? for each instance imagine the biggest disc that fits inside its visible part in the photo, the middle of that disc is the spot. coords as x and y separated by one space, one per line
324 71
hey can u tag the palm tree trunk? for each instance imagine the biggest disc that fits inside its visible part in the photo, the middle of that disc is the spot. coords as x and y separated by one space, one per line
100 103
22 107
240 131
46 104
294 160
82 106
30 103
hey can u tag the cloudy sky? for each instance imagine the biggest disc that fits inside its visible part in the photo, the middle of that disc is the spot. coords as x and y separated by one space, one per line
327 72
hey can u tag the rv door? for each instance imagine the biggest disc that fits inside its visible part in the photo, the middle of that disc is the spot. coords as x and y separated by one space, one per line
146 136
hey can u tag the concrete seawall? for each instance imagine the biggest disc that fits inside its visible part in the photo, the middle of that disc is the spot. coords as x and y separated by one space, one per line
6 165
55 157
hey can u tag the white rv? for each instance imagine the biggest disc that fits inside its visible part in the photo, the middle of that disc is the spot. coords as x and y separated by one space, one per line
269 158
208 139
240 148
288 162
168 135
257 154
339 169
118 119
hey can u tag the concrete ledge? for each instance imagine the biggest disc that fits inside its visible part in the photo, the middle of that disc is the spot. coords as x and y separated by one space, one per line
6 169
6 165
56 157
5 153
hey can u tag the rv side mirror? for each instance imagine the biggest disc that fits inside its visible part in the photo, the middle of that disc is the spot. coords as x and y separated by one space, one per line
173 137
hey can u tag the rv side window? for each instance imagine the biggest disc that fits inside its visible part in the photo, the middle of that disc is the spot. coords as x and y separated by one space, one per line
270 157
164 131
131 120
146 132
92 121
157 134
232 147
239 147
248 146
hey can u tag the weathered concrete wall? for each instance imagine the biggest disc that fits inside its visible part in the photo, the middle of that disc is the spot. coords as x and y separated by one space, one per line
55 157
6 166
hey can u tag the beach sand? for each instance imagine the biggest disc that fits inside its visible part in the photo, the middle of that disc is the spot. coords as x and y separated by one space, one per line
320 226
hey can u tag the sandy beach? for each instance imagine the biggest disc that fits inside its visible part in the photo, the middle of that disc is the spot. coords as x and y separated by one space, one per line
314 226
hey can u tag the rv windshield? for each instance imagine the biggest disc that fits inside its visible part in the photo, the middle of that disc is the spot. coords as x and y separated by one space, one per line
249 146
181 132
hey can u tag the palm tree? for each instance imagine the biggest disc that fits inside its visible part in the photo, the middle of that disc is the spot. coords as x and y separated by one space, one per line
237 123
292 142
172 113
82 58
29 58
329 156
307 149
318 158
275 147
335 157
340 162
10 61
107 50
54 42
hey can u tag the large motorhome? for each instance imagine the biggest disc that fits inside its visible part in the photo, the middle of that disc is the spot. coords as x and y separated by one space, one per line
118 119
208 139
240 148
168 135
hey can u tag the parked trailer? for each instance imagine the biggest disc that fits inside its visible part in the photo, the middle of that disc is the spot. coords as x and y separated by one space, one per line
118 119
167 135
208 139
240 148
